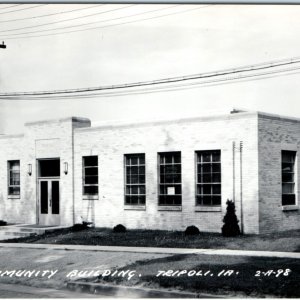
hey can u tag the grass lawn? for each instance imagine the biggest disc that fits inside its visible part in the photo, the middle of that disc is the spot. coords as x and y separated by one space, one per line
284 241
244 283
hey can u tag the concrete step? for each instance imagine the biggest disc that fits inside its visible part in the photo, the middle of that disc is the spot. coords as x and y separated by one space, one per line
32 230
18 233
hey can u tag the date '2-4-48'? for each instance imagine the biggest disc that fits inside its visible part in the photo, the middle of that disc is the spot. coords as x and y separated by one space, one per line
276 273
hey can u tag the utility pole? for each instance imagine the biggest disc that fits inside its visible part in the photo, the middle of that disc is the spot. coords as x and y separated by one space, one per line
2 45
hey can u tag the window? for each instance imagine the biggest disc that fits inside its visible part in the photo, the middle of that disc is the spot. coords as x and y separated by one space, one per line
14 177
170 178
90 175
288 159
208 192
135 186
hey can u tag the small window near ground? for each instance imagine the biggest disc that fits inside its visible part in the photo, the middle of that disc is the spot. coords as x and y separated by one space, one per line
288 160
170 178
90 175
14 177
208 165
135 179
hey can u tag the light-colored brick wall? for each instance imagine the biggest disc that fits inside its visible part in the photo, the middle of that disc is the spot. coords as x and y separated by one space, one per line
276 134
110 143
49 139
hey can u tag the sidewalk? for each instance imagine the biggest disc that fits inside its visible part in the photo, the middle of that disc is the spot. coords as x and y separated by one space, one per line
24 291
295 255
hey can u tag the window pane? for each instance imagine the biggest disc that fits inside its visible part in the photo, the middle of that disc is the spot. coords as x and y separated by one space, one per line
216 189
91 171
206 200
288 177
90 161
216 200
206 157
90 190
14 190
206 168
207 178
288 199
216 156
91 179
287 167
288 156
288 188
216 167
216 177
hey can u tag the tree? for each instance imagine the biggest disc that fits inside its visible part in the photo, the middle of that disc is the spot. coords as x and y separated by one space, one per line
231 223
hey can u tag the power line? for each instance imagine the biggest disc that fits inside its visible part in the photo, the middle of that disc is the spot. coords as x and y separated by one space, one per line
66 20
100 27
7 12
232 71
9 6
90 23
213 82
48 15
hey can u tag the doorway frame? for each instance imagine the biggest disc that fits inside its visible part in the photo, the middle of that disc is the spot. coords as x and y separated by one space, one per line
38 179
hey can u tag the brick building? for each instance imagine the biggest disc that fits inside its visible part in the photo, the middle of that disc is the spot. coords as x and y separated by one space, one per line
156 175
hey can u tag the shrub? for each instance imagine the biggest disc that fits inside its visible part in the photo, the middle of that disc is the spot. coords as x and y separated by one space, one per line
119 228
81 226
191 230
3 223
231 223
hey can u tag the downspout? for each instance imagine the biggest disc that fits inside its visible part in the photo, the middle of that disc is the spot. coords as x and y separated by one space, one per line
241 185
73 175
233 172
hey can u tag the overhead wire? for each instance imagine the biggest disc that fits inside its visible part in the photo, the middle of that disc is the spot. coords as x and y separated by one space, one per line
90 23
178 80
214 82
9 6
105 26
67 20
25 8
52 14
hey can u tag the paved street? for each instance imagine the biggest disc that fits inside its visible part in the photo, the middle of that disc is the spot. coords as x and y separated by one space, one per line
49 268
22 291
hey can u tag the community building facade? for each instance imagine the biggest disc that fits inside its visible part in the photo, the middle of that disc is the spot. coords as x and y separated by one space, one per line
155 175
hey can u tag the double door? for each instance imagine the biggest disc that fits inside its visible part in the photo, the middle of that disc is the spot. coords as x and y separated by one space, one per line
49 202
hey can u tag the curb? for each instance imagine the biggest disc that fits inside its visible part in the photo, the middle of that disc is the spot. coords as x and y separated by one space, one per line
130 292
154 250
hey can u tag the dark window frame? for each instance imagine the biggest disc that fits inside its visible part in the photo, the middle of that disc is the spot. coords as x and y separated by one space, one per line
84 176
140 185
12 186
288 177
165 199
208 178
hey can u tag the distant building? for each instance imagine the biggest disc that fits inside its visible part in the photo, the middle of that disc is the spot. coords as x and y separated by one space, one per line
159 175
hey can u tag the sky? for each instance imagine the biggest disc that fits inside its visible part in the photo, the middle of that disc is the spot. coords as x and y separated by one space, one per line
188 39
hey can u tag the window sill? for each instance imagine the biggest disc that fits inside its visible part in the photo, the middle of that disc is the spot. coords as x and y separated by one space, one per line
13 196
169 208
90 197
134 207
290 207
208 208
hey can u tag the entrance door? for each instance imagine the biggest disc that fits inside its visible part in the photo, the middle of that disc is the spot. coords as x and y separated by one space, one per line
49 202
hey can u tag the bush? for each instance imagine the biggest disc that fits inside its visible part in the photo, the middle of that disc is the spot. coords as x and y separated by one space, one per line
191 230
3 223
231 223
81 226
119 228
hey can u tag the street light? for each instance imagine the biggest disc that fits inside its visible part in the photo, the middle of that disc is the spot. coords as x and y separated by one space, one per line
2 45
